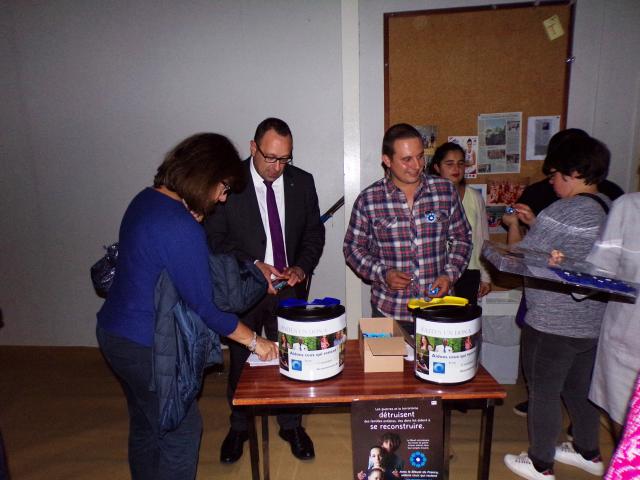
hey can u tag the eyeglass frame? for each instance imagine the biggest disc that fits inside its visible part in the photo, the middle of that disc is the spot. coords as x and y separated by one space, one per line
227 188
281 160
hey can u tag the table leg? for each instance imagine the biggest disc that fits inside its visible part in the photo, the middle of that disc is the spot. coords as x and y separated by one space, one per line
445 443
253 446
486 437
265 447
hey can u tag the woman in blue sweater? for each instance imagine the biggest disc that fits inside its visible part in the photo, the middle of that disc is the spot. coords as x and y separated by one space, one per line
160 231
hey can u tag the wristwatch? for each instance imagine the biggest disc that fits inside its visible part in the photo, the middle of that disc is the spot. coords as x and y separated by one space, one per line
253 343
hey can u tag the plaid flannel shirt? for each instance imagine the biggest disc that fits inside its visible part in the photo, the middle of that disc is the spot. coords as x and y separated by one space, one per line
431 240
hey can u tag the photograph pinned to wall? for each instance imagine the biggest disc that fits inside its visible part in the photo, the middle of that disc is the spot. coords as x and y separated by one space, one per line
505 192
539 131
429 135
494 218
499 142
470 146
397 439
500 195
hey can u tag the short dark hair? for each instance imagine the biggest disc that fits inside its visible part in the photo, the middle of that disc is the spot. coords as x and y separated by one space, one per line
196 165
272 123
586 156
558 138
397 132
440 153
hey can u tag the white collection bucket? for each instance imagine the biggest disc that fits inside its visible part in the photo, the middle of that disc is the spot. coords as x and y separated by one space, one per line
447 343
311 341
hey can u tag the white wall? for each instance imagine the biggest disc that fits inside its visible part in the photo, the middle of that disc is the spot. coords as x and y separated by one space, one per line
94 93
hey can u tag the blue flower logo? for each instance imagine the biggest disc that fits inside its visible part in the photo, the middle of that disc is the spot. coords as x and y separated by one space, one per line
431 217
418 459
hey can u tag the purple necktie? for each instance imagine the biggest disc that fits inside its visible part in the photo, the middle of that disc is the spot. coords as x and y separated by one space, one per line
277 242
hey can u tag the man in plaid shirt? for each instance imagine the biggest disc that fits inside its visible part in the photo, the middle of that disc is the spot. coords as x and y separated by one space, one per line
407 230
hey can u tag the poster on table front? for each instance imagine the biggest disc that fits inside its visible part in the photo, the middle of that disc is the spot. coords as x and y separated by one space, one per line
397 439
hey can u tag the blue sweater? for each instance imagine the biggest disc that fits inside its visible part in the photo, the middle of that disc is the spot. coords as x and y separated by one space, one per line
159 233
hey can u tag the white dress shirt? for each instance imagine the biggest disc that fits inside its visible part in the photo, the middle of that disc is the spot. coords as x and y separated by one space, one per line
261 195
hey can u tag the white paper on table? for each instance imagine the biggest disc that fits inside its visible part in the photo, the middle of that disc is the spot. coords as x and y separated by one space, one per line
255 361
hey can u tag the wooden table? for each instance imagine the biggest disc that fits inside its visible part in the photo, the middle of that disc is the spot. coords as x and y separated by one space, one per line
263 389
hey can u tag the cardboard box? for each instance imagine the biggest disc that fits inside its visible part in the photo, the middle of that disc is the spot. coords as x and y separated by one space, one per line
381 354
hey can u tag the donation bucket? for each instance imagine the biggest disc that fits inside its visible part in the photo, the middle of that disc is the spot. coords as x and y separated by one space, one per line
448 335
311 339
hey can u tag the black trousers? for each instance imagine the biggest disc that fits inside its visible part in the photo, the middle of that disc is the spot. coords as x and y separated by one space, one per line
152 456
263 315
467 286
559 368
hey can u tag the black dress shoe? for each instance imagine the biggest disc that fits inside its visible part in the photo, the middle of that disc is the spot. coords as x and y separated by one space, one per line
301 444
231 449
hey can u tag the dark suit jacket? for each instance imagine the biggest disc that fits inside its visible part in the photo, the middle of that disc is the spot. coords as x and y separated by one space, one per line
236 227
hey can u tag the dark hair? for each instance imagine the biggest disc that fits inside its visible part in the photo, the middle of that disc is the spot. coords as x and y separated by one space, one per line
397 132
558 138
393 438
196 165
440 153
272 123
586 156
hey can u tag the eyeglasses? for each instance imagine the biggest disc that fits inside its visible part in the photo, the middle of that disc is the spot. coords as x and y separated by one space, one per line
226 189
282 160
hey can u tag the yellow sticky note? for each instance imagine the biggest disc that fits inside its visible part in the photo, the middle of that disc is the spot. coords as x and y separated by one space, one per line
553 27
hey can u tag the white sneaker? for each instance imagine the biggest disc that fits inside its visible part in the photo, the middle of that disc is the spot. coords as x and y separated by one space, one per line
523 466
566 454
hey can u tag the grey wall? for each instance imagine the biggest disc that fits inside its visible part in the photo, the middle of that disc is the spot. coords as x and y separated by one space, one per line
94 93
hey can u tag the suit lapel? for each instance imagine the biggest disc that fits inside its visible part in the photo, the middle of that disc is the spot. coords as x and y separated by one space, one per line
252 210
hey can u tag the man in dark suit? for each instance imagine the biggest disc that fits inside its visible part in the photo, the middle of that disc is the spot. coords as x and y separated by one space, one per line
274 222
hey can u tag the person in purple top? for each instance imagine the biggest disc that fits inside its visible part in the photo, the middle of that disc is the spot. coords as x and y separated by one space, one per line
160 231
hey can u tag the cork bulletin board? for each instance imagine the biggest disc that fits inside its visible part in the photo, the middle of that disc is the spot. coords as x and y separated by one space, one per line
445 67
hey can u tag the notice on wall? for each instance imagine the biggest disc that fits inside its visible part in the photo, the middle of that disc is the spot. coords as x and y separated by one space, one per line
397 439
499 141
539 132
470 146
429 135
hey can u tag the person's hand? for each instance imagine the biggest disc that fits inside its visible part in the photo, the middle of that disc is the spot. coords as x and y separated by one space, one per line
525 214
485 288
396 473
265 349
509 219
397 280
362 475
269 272
294 275
443 284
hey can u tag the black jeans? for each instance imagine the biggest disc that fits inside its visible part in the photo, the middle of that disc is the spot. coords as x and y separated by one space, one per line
151 456
468 285
263 315
559 368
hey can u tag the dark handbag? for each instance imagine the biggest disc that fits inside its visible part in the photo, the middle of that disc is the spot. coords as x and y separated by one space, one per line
237 285
103 271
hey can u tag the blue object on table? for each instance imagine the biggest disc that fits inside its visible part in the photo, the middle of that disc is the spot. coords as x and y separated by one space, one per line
318 302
